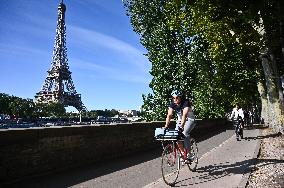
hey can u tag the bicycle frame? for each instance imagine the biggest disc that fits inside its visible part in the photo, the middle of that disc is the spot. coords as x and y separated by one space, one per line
239 128
176 145
172 153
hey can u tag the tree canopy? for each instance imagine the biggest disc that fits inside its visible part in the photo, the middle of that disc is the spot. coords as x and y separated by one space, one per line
203 48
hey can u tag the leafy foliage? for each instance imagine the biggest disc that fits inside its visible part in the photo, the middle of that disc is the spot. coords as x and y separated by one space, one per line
27 109
16 106
199 47
234 46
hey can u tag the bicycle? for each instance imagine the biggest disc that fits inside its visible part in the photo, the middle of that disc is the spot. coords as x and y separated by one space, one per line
239 128
172 154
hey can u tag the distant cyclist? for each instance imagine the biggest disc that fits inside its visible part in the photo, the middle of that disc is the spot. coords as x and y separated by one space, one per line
237 112
186 118
238 118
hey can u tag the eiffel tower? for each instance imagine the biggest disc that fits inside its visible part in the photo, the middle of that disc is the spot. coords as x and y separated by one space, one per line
58 85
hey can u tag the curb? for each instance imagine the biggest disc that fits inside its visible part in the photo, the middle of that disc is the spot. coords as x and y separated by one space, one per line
246 176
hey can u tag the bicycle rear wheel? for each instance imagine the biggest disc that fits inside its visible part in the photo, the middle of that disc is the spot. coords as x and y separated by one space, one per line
194 155
241 133
170 164
237 130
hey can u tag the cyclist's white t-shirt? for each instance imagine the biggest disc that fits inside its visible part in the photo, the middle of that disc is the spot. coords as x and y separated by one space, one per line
237 112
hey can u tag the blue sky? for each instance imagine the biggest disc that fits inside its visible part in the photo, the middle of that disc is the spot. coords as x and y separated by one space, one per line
105 57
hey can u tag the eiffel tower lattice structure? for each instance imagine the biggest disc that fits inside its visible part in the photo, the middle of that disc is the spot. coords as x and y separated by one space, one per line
58 85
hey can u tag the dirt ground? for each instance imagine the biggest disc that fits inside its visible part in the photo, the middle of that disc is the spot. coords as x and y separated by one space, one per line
269 169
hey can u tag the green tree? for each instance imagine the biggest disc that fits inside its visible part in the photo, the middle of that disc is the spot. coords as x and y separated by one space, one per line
4 103
193 53
160 26
230 37
233 45
55 109
92 114
28 108
21 108
258 30
40 110
15 106
273 61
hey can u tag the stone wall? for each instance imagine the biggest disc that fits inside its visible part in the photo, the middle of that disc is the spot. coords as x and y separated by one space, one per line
38 151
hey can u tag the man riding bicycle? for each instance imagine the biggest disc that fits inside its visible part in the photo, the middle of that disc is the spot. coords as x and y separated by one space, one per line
238 118
186 118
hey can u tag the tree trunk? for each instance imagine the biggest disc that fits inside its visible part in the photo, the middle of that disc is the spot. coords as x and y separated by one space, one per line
281 30
264 103
275 117
271 62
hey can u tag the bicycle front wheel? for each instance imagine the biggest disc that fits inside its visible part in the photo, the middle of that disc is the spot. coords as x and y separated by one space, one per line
170 164
194 155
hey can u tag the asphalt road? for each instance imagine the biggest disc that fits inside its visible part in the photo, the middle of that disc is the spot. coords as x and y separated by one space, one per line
133 171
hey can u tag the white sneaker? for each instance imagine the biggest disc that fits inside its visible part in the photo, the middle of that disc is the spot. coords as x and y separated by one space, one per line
181 161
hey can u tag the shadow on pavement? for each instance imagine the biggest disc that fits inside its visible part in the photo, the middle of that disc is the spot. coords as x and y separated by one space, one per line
274 135
271 135
77 175
217 171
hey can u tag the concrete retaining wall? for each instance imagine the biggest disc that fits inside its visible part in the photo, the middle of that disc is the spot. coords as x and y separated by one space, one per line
37 151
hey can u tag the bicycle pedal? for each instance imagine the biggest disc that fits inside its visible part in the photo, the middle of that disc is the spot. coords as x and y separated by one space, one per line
188 161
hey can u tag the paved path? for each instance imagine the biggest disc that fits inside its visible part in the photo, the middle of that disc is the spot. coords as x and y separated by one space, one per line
227 165
224 163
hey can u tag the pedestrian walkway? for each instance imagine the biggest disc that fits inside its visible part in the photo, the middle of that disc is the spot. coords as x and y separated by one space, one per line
226 166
